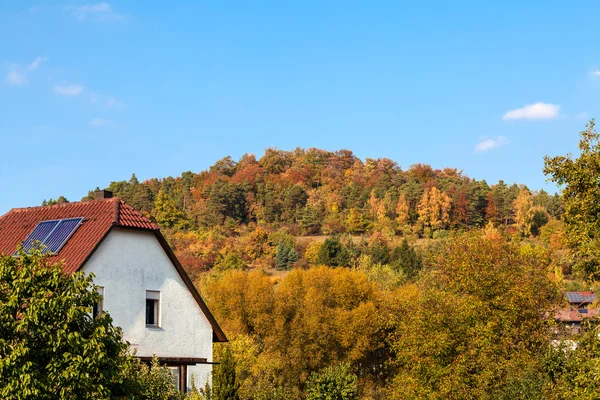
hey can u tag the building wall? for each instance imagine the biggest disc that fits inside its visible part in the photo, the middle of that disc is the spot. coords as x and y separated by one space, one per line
128 263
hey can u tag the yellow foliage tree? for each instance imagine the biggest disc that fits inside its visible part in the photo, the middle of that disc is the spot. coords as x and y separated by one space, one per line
521 207
434 208
402 210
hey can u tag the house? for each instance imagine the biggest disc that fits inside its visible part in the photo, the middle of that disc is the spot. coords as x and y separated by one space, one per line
143 285
579 310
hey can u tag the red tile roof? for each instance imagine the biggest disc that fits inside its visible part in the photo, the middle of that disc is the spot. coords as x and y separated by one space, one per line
98 217
574 315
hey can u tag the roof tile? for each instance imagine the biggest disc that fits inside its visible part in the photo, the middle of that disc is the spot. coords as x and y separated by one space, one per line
98 217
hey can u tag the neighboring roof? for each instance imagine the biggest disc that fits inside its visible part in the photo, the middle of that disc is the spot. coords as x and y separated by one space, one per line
99 217
580 297
571 315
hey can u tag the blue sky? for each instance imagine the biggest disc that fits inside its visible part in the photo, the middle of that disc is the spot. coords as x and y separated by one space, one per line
93 92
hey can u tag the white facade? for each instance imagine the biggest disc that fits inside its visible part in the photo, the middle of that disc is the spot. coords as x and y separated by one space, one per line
127 264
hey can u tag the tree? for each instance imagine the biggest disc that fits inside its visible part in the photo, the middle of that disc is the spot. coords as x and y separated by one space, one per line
331 253
578 181
357 222
285 257
50 345
402 216
434 208
225 384
166 213
158 382
522 205
406 259
479 319
332 383
491 212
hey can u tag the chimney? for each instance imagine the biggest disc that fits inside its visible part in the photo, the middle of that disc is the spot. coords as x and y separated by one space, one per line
102 194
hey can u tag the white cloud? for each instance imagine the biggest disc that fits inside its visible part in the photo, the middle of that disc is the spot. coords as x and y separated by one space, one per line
99 12
582 115
68 90
36 63
488 144
16 78
533 111
596 73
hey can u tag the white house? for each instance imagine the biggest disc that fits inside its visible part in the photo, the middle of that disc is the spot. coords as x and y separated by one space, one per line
144 287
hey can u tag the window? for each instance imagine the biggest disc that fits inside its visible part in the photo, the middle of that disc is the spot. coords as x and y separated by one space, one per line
99 306
176 379
152 300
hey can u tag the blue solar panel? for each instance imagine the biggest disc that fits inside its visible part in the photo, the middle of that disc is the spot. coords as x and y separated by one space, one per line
39 234
61 234
51 235
580 297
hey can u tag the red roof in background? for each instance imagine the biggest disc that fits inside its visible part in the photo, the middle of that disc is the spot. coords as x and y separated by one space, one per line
98 217
574 315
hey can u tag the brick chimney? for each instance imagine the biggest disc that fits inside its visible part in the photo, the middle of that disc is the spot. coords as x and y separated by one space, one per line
102 194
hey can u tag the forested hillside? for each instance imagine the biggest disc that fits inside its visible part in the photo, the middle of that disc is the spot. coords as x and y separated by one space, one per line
237 212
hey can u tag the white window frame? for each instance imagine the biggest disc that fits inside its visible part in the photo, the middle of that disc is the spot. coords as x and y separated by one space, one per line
153 295
99 307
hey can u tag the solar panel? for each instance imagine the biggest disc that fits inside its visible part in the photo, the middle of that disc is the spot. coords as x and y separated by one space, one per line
39 234
579 297
583 311
51 235
61 234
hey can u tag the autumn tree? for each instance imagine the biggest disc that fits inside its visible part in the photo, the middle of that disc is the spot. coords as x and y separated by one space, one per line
166 213
491 212
434 208
402 216
522 205
479 318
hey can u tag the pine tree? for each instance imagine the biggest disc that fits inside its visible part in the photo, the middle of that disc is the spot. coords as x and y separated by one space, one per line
225 384
285 257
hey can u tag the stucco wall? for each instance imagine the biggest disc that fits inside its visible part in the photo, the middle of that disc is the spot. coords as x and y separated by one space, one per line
128 263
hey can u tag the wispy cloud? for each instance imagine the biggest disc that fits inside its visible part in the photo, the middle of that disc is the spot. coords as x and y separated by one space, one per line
99 12
17 74
582 115
533 111
68 90
596 73
488 144
36 63
16 78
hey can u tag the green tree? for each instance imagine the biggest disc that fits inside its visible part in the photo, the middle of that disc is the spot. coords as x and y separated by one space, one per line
331 253
225 384
405 258
578 180
332 383
285 257
50 346
158 382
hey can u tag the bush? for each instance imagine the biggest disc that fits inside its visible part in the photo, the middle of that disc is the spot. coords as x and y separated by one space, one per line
332 383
